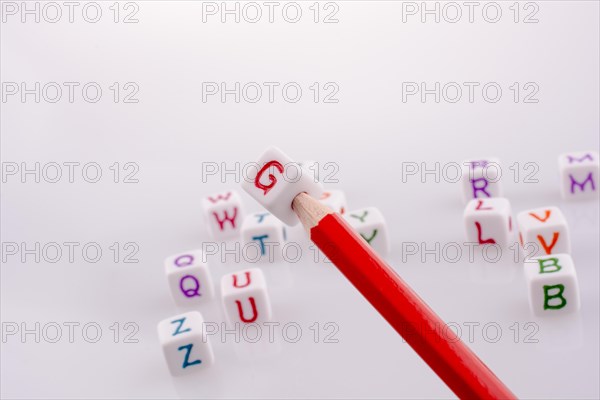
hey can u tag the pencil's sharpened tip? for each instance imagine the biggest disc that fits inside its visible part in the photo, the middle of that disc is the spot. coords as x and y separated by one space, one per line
309 210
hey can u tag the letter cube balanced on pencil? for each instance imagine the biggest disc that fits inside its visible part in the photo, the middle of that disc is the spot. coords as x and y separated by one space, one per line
295 197
278 181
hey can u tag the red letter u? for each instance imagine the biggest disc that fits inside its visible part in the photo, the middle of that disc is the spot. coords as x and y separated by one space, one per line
235 280
241 311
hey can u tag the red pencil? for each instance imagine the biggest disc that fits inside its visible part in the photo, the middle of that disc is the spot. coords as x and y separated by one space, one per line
464 373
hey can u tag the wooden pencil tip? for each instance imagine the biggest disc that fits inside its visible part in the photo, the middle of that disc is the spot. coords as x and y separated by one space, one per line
309 210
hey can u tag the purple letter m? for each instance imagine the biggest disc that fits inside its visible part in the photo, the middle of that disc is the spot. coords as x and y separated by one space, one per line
582 184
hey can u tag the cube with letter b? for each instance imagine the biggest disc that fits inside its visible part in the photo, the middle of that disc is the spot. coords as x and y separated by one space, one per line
185 344
278 180
552 282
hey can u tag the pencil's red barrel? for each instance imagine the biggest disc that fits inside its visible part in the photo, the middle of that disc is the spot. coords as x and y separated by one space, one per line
422 329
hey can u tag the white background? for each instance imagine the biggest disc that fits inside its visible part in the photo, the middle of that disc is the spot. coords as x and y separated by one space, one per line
170 132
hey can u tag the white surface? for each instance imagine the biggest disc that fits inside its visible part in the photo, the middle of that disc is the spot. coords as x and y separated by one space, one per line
171 132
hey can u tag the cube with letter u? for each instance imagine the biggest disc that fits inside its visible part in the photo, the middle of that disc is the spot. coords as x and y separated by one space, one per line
245 298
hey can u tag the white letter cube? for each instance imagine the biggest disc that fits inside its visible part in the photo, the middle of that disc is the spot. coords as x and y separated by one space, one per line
223 214
481 179
334 199
278 182
189 278
370 224
185 344
245 298
579 174
552 283
543 231
266 232
488 221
